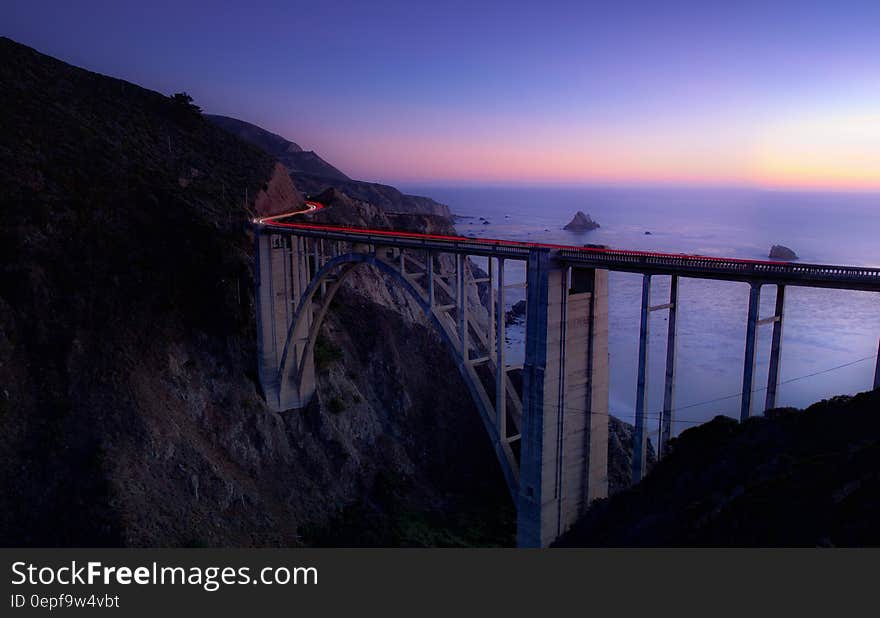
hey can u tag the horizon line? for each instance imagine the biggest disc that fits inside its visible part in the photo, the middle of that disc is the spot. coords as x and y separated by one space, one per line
643 184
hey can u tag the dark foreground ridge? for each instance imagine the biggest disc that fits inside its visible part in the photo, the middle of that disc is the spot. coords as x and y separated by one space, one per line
129 409
792 478
124 279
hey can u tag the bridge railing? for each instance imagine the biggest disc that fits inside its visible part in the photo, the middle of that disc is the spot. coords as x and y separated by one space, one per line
817 275
823 275
377 237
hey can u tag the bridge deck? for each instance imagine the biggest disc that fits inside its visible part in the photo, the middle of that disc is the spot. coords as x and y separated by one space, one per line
643 262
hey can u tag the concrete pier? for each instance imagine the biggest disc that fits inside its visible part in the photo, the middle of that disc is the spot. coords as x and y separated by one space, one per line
751 344
640 436
283 275
775 350
640 432
563 461
461 303
500 357
669 379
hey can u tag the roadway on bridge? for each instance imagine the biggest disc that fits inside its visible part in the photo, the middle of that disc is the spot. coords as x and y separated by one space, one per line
643 262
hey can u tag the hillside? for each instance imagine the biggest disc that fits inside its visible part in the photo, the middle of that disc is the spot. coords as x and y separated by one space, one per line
123 251
129 409
312 174
792 478
130 413
295 159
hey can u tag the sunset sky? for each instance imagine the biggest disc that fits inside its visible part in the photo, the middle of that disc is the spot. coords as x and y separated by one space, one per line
776 94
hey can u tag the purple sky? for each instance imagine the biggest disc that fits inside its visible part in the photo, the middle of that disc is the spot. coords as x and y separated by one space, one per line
770 94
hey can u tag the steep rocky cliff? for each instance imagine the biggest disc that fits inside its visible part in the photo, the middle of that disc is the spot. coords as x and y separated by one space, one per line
278 194
312 174
129 408
129 412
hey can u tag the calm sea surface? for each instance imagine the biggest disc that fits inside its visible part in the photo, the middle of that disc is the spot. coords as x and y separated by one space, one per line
824 329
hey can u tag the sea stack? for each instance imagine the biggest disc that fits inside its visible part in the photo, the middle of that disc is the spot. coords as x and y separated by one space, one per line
781 252
581 223
516 313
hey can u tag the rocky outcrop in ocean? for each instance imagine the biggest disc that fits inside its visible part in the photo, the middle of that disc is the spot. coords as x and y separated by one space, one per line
516 314
581 222
781 252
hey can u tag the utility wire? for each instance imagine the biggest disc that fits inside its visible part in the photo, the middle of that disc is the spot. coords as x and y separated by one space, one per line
658 415
788 381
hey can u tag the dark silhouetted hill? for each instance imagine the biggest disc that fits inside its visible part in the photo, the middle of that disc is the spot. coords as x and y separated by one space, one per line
122 238
313 175
130 412
793 478
295 159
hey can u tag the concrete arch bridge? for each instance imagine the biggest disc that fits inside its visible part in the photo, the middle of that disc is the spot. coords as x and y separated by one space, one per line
550 437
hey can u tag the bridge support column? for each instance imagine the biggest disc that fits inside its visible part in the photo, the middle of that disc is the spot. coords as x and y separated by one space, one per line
500 359
273 307
323 258
302 393
669 385
317 255
751 344
282 274
775 350
490 339
640 436
429 266
564 455
461 301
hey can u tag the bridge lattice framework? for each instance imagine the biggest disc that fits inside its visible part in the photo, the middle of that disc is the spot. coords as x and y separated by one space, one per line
551 433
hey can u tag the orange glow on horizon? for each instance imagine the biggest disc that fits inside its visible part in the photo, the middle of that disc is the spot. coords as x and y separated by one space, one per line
815 149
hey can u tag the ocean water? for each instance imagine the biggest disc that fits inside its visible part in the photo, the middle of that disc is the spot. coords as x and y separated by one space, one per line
830 337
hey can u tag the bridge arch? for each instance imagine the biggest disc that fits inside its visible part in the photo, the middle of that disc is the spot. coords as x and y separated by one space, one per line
307 321
562 463
553 452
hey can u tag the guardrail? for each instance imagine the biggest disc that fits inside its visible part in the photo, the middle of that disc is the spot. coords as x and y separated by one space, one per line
645 262
811 275
387 238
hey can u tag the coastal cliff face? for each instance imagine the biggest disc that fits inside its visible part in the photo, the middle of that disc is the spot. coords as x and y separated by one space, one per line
278 195
129 409
313 175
